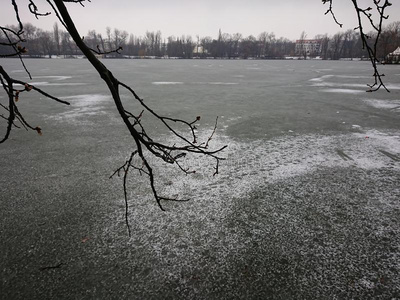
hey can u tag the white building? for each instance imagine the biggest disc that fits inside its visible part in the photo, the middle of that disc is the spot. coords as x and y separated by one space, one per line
308 47
394 57
199 50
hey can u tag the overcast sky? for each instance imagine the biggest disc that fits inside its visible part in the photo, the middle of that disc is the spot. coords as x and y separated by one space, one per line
287 18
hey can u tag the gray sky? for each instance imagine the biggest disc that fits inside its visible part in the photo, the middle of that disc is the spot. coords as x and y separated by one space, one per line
287 18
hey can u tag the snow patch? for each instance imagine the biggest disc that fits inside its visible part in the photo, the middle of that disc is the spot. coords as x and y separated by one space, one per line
45 83
343 91
166 82
383 104
222 83
252 164
321 78
55 77
81 107
332 84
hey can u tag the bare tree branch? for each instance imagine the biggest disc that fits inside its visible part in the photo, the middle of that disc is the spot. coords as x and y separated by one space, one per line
141 138
372 51
8 85
380 6
330 11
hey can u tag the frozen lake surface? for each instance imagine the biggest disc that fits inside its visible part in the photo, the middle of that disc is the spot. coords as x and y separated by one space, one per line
305 206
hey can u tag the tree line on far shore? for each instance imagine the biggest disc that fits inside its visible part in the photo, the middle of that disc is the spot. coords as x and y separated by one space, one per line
342 45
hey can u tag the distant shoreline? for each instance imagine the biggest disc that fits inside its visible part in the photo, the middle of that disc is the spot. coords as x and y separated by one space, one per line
193 58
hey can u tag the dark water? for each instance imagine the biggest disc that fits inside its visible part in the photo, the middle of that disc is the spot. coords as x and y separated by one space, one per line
306 204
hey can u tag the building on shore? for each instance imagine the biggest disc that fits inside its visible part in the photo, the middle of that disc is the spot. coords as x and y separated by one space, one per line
308 48
393 57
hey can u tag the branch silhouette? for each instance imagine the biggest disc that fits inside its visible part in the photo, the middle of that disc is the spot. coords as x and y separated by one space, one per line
170 154
380 7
